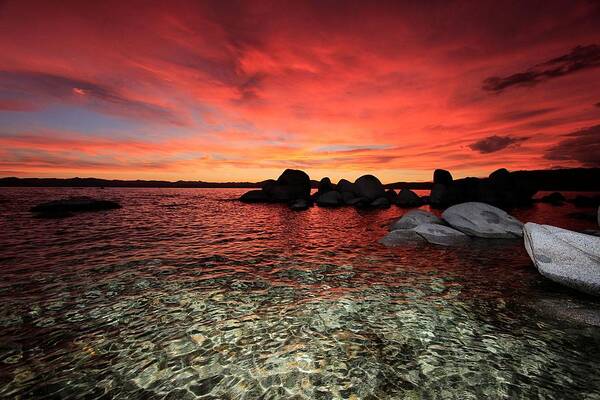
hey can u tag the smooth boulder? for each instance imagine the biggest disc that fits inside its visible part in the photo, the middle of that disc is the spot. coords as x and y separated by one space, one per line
566 257
415 218
483 220
370 187
441 234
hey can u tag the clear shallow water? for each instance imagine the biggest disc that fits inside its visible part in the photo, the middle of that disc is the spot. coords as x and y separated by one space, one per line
186 294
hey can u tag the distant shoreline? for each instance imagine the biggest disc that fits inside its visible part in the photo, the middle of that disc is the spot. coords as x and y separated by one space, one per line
572 179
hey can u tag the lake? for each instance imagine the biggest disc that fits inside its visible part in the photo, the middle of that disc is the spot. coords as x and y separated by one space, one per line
187 293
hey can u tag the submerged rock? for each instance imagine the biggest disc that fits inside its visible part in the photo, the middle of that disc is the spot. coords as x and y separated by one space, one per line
483 220
408 198
554 198
441 234
566 257
64 207
415 218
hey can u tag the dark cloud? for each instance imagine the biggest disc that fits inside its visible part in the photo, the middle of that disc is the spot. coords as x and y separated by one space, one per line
70 90
581 57
495 143
522 114
582 146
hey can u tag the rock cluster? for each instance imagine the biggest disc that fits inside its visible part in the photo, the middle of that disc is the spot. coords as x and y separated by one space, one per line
66 207
457 225
293 188
501 188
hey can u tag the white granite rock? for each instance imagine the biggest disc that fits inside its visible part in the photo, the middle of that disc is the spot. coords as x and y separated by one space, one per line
566 257
483 220
441 234
414 218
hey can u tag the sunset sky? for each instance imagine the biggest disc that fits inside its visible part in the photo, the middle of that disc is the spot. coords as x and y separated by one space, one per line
232 91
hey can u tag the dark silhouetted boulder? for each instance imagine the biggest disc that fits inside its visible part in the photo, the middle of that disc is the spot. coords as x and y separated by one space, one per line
392 196
255 196
345 186
442 176
408 198
438 197
370 187
65 207
332 198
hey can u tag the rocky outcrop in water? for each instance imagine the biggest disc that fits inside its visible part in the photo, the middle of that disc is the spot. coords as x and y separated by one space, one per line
66 207
483 220
369 187
465 220
569 258
500 188
414 218
332 198
291 186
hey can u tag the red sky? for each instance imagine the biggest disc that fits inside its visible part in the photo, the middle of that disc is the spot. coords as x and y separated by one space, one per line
226 90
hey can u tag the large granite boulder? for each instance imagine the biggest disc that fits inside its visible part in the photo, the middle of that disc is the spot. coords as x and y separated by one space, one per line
333 198
566 257
441 234
370 187
415 218
401 237
408 198
482 220
65 207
